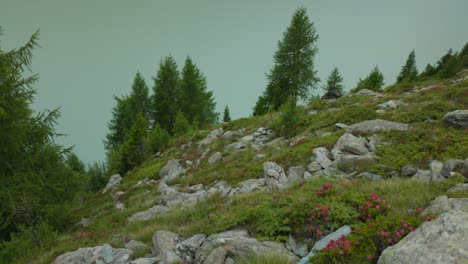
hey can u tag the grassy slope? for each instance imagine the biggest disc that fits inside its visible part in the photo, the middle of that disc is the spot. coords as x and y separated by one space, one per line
262 213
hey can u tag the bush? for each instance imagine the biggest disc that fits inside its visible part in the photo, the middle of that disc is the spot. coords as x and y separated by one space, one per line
181 124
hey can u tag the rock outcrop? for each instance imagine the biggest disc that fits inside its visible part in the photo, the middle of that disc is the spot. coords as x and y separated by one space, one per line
458 119
377 125
113 182
99 254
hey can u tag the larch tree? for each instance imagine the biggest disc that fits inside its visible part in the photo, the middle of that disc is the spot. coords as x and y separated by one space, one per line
334 81
409 72
226 114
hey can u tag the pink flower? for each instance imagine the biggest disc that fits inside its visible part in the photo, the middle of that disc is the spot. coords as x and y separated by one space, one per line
341 252
410 228
389 240
377 207
370 257
420 210
398 233
405 224
319 233
383 233
428 219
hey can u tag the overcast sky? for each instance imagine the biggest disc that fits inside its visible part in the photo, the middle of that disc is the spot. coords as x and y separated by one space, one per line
91 49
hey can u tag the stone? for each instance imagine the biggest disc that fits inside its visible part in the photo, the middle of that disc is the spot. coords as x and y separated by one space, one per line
113 182
377 125
457 119
237 145
85 222
120 206
299 249
252 185
332 94
409 170
322 156
436 169
211 137
309 176
259 156
295 174
341 126
444 204
136 246
367 92
248 138
373 142
152 212
103 254
371 176
216 157
392 104
442 240
314 166
229 261
349 144
422 175
459 187
187 248
171 170
145 261
451 166
232 134
216 256
164 246
344 230
274 175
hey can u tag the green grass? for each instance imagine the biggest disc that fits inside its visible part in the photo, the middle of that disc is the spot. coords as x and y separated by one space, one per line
265 257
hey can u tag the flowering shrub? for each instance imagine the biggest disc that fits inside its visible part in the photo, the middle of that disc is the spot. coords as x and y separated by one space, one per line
373 207
325 190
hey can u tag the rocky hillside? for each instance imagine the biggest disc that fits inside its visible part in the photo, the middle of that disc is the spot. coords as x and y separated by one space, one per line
368 177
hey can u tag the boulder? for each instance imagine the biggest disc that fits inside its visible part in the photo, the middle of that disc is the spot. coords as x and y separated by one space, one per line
344 230
216 157
392 104
120 206
349 144
113 182
436 169
153 212
444 204
452 165
252 185
314 166
296 174
332 94
340 126
171 170
247 138
136 246
370 176
322 156
187 248
274 175
164 246
216 256
442 240
232 134
377 125
366 92
422 175
457 119
237 145
103 254
299 249
145 261
459 187
409 170
211 137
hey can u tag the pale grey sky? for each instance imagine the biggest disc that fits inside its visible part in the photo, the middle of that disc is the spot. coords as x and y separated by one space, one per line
91 49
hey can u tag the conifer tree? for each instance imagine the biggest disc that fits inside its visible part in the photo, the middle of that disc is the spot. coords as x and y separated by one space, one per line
334 81
374 81
164 100
409 72
262 106
139 97
226 114
133 151
120 123
293 72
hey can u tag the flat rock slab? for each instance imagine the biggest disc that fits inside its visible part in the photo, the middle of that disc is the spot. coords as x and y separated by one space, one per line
377 125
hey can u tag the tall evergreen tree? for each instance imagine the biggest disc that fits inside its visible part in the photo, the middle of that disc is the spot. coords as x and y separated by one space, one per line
195 102
139 97
262 106
409 72
293 72
226 114
374 81
133 151
120 123
334 81
165 95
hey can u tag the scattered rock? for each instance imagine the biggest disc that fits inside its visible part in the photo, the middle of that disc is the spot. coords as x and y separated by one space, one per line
211 137
187 248
299 249
371 176
442 240
248 138
422 175
113 182
120 206
458 187
153 212
392 104
85 222
457 119
216 256
274 175
216 157
452 165
444 204
436 169
366 92
164 246
296 174
377 125
314 166
252 185
332 94
341 126
409 170
136 246
232 134
102 254
237 145
144 261
322 156
344 230
349 144
171 170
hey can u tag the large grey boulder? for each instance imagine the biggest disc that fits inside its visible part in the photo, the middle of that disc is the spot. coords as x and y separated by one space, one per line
457 119
187 248
458 187
136 246
367 92
103 254
422 175
237 244
231 134
444 204
349 144
274 175
299 249
452 165
377 125
237 145
436 170
145 261
252 185
216 157
322 156
113 182
153 212
441 241
295 174
164 246
171 170
344 230
211 137
314 166
216 256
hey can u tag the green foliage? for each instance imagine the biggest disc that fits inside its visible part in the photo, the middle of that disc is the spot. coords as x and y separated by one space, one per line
165 94
293 72
226 114
97 172
261 106
158 139
374 81
181 124
334 81
139 97
74 163
409 72
133 152
289 120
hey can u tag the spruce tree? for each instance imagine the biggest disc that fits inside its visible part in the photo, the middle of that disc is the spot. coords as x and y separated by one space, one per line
293 72
409 72
262 106
120 124
133 151
334 81
226 114
139 97
164 100
374 81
